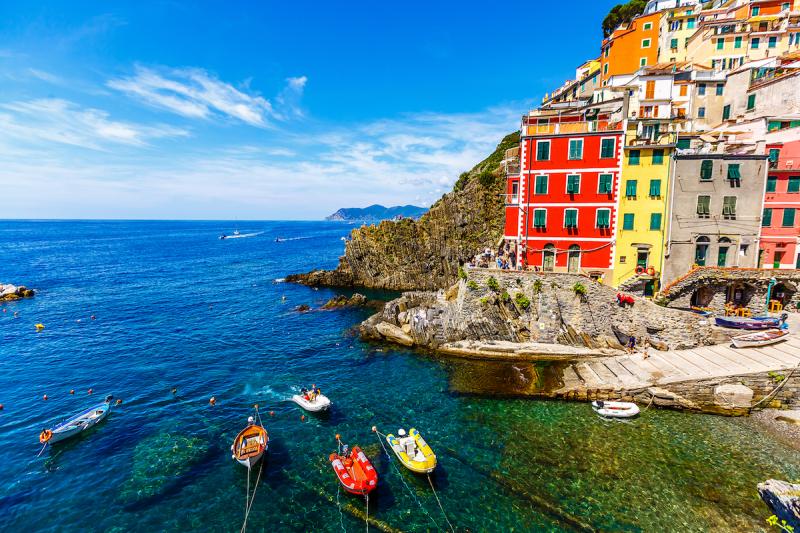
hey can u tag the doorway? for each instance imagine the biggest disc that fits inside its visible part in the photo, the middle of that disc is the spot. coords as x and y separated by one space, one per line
776 261
574 259
548 258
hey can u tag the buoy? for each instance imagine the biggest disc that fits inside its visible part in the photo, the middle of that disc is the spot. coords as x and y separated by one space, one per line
39 327
302 418
374 429
255 406
5 310
90 391
174 390
94 317
72 391
272 413
338 436
119 401
212 401
1 406
44 397
78 320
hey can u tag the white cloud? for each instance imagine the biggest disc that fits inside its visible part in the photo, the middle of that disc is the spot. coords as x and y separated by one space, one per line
194 93
45 76
63 122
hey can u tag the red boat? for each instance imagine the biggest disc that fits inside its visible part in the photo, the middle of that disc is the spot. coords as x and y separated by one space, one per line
356 473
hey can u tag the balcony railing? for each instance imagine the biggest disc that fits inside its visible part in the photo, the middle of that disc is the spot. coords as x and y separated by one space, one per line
660 139
762 75
570 127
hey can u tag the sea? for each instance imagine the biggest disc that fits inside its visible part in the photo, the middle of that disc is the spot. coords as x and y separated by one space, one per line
165 315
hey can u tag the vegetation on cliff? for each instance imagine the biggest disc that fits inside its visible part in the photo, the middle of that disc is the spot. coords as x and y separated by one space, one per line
621 13
426 254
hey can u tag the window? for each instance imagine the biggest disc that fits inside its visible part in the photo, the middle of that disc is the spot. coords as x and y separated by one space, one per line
570 218
673 43
773 42
701 89
794 184
603 218
607 148
720 89
630 188
573 184
701 251
627 221
690 23
605 67
539 218
575 149
788 217
729 207
766 218
737 42
655 188
684 90
542 150
541 185
701 112
650 89
720 44
754 42
655 221
733 172
706 169
754 11
703 206
515 192
772 183
633 157
645 43
683 143
658 157
648 26
643 62
726 112
786 6
774 155
604 186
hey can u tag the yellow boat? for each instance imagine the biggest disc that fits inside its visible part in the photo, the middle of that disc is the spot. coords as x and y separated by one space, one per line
413 451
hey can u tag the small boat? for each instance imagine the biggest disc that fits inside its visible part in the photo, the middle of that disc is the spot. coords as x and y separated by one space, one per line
413 451
615 409
762 338
312 402
754 323
355 472
77 424
250 444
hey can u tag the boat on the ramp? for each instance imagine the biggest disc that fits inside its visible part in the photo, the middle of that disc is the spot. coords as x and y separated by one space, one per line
761 338
611 409
77 424
354 470
412 450
250 444
754 323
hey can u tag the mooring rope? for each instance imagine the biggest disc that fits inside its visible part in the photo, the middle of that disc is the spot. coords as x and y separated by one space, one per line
42 450
381 437
366 519
430 481
776 389
248 500
341 514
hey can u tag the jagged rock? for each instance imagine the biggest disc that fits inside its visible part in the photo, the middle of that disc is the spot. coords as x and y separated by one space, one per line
393 333
302 308
356 300
10 292
783 499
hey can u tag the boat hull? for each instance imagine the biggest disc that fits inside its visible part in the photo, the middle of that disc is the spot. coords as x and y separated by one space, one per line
80 423
423 462
355 472
764 338
250 445
747 323
615 409
320 403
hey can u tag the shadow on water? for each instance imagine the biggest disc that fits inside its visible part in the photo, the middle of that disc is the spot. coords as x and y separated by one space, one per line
504 379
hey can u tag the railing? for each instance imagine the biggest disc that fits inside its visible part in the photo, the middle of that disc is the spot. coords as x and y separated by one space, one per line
763 75
662 139
571 127
512 170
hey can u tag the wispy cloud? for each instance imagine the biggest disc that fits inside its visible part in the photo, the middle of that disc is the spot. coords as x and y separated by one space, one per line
45 76
195 93
63 122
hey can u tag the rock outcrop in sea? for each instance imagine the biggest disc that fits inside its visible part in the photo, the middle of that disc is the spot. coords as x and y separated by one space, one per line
10 292
425 254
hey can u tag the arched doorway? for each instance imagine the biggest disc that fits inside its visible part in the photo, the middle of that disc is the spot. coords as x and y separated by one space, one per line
574 259
702 297
722 254
548 258
701 250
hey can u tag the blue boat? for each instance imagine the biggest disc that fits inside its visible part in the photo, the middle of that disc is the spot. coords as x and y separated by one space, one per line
754 323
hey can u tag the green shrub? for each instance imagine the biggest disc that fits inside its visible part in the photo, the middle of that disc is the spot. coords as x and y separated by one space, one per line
493 284
537 286
462 274
505 296
472 285
522 301
484 301
579 289
461 182
486 178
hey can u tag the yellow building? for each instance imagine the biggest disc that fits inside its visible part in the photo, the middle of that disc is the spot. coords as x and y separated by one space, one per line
643 202
677 26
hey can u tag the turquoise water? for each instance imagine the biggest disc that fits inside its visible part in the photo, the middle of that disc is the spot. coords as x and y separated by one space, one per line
176 307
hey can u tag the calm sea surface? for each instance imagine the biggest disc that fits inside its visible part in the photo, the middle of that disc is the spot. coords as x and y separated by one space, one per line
177 307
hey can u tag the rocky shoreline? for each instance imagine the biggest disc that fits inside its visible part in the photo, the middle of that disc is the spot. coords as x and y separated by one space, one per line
9 292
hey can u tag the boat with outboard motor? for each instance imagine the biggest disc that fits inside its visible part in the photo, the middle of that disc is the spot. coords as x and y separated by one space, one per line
754 323
312 400
250 444
77 424
353 469
610 409
412 450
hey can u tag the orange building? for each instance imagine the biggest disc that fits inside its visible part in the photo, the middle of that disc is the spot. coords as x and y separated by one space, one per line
632 46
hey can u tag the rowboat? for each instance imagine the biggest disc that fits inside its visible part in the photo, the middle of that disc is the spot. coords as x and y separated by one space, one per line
615 409
762 338
77 424
413 451
754 323
316 403
250 444
355 472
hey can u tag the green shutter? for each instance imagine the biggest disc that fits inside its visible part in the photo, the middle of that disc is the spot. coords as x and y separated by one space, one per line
766 219
737 42
633 157
603 218
772 184
683 144
655 221
630 188
673 43
539 218
627 221
788 217
726 112
573 184
605 184
774 155
655 188
658 157
607 148
733 172
751 101
543 151
541 185
703 205
576 149
571 218
729 206
706 169
794 184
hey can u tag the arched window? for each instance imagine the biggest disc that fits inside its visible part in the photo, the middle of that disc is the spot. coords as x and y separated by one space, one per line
548 258
722 254
574 258
701 250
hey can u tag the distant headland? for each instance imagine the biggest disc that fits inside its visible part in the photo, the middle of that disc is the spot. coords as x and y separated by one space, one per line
376 213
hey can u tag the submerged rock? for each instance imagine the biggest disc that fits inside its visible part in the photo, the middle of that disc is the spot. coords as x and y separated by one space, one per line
159 464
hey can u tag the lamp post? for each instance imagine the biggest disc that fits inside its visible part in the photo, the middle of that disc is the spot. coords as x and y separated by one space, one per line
772 282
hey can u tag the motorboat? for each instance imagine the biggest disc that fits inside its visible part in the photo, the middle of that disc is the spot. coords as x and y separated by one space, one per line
77 424
754 323
412 450
762 338
250 444
354 471
610 409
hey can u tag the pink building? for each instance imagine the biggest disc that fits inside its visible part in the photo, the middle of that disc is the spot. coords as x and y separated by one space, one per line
780 224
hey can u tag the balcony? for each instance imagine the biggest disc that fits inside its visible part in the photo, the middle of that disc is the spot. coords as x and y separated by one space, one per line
565 128
764 75
653 139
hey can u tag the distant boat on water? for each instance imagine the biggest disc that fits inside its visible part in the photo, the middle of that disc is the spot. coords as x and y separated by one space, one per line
237 235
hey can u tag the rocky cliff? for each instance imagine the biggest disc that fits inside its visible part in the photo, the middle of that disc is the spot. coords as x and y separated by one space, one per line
425 254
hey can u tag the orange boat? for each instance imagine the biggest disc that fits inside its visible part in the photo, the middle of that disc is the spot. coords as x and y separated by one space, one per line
354 471
250 444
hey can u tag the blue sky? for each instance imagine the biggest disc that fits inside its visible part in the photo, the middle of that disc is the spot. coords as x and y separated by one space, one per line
265 110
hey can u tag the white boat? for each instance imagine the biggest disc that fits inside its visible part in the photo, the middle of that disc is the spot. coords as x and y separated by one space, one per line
319 403
77 424
237 235
615 409
762 338
250 444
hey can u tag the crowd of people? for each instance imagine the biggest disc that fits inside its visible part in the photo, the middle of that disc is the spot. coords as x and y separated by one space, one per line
503 258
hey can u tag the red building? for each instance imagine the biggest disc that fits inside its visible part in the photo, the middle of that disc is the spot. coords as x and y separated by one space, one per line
561 208
780 223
